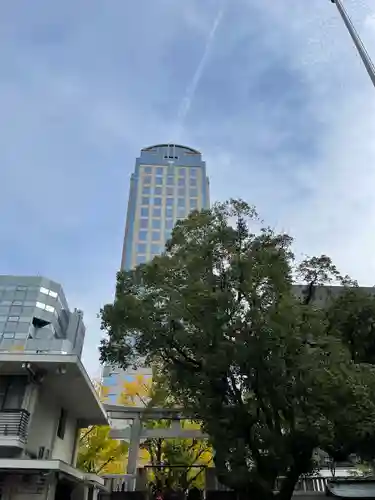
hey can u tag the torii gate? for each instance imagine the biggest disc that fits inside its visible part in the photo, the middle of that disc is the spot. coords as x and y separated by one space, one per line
136 432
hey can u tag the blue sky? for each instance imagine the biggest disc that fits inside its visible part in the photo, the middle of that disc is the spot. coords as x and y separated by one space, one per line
272 93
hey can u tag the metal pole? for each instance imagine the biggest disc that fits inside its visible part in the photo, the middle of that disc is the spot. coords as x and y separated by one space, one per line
366 59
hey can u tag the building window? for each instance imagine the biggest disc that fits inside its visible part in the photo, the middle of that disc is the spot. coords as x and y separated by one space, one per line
158 181
144 212
181 202
147 179
193 192
181 181
168 211
167 235
142 235
158 202
159 170
62 423
193 172
146 190
15 310
170 180
169 224
156 249
156 223
158 190
156 236
181 212
143 223
44 290
170 191
156 212
169 202
141 248
181 191
141 259
147 170
145 200
182 172
12 391
193 203
11 326
193 182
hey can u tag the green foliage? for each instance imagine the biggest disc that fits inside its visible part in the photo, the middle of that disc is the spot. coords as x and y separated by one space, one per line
272 377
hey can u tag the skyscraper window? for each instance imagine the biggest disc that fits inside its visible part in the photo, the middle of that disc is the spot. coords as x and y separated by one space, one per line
144 212
147 179
156 212
156 223
145 200
158 201
156 236
159 181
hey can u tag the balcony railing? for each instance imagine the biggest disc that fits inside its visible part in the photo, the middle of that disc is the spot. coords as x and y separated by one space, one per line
14 423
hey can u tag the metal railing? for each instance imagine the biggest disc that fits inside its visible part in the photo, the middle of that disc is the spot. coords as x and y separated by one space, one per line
119 482
14 423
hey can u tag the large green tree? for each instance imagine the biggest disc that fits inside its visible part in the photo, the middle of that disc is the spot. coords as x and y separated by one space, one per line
268 373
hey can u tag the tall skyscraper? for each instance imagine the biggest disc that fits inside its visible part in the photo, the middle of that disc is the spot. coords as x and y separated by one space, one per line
168 183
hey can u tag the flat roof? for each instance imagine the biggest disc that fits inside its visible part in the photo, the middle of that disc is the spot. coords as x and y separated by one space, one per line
66 379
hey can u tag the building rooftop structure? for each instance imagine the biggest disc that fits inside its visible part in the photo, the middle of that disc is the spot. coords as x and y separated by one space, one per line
35 317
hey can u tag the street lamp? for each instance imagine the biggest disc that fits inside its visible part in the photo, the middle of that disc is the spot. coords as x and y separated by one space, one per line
366 59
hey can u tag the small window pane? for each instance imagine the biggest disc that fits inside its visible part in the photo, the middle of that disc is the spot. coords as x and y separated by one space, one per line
15 310
8 335
40 305
169 224
181 181
159 181
44 290
158 201
193 203
13 318
193 182
169 212
156 212
170 191
158 190
147 170
159 170
144 212
145 200
147 179
156 235
141 248
144 223
181 212
169 202
142 235
141 259
11 326
53 294
170 181
156 249
193 172
181 202
181 172
156 223
50 308
193 192
181 191
146 190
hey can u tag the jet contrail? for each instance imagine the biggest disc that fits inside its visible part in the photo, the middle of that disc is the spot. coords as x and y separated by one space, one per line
192 87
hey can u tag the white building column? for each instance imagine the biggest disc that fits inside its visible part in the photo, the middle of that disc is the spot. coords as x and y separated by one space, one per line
135 439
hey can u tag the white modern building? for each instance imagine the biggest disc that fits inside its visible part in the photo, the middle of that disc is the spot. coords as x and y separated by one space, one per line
45 399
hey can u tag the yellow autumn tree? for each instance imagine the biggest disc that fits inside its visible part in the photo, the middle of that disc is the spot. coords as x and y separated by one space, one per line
180 462
98 452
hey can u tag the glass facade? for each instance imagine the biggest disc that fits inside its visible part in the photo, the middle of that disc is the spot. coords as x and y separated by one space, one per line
34 316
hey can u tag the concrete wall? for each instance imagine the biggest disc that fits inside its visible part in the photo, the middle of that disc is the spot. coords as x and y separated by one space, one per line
43 429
